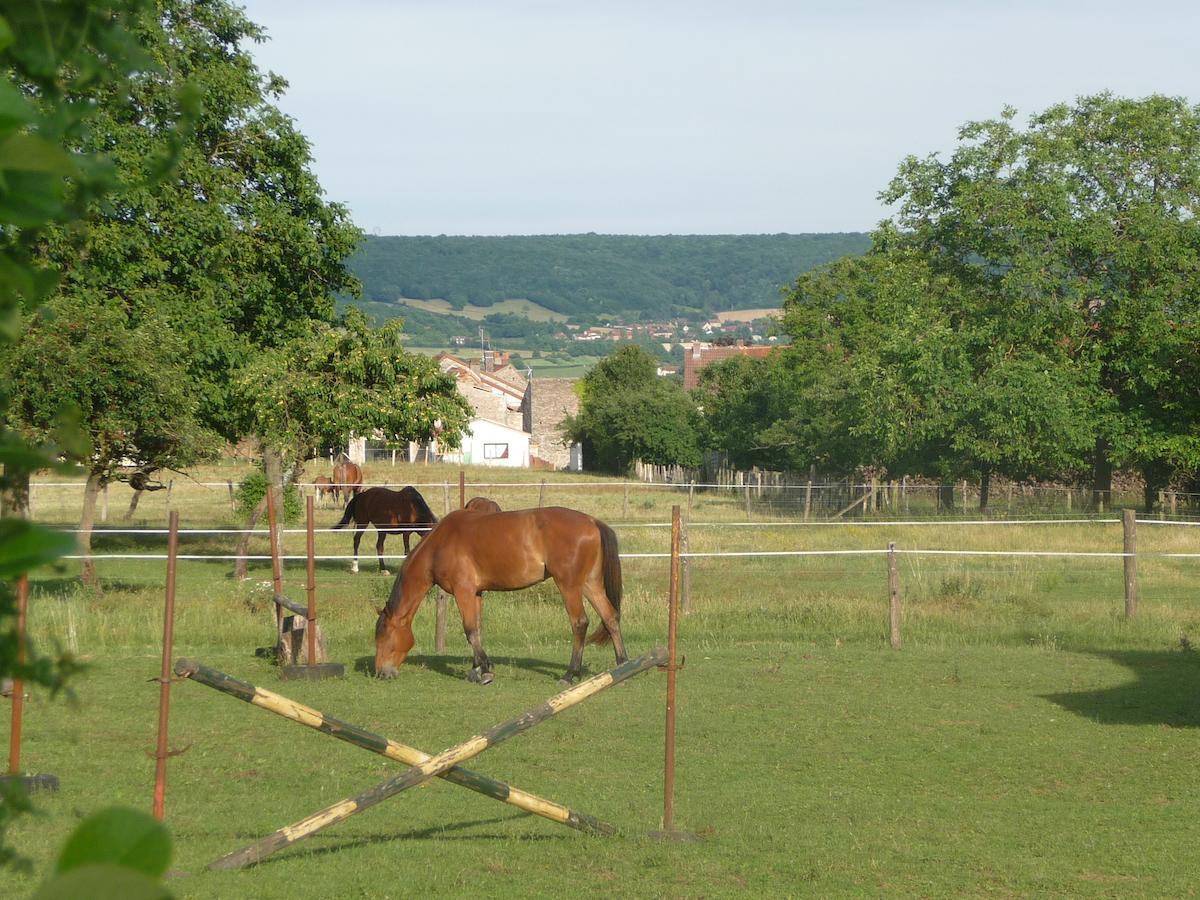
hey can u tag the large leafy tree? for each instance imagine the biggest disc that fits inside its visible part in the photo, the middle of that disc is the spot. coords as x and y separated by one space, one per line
628 413
921 376
1081 230
348 378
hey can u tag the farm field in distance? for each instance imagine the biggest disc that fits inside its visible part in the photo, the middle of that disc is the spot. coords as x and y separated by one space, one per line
1027 739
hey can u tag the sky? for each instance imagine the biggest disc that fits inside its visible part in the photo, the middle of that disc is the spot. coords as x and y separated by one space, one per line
494 117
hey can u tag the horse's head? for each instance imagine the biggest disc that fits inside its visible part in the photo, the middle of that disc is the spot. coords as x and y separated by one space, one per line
483 504
393 640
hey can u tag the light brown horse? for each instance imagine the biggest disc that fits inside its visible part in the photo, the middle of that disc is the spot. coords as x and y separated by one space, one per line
322 487
473 551
402 512
482 504
347 478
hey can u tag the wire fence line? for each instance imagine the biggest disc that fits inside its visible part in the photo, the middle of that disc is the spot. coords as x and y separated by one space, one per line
714 554
712 524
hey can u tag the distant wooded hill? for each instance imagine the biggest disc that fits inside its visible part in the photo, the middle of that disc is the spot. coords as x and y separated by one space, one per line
586 275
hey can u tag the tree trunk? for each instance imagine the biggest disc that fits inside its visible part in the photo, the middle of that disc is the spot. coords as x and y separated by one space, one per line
91 491
946 498
133 502
273 468
1102 473
240 565
1156 477
14 498
985 487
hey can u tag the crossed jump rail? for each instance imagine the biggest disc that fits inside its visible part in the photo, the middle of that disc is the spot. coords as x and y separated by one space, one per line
422 767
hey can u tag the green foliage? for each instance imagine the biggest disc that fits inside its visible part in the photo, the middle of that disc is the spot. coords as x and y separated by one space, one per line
236 249
127 383
346 379
628 413
115 854
590 275
1079 231
253 488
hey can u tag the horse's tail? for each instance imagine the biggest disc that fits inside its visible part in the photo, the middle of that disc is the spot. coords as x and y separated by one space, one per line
611 563
349 513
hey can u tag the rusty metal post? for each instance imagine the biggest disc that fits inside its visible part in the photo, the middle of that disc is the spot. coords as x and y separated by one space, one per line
542 494
18 684
276 562
462 488
893 596
164 681
310 628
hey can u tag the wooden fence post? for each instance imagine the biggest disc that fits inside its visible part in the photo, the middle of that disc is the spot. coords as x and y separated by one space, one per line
542 494
439 627
807 499
893 596
1129 525
446 497
625 505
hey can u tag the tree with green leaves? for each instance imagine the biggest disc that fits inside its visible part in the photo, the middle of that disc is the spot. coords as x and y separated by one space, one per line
1080 231
628 413
919 375
126 386
58 57
344 379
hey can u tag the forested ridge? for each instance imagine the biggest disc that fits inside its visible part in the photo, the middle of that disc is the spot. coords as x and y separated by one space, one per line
581 275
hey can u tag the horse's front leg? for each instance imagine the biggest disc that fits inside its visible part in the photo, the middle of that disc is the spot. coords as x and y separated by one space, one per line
470 605
382 536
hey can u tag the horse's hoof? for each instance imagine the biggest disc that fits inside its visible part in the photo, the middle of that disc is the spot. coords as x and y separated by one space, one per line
477 676
569 679
354 569
384 572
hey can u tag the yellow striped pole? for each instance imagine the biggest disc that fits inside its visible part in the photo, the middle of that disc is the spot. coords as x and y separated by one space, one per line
360 737
438 764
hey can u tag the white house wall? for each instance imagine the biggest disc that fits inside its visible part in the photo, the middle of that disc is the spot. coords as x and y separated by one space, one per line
482 441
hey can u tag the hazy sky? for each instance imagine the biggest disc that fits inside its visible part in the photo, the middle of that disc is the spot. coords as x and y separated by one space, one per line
658 116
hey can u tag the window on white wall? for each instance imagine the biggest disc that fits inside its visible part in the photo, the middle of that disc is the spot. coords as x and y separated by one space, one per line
495 451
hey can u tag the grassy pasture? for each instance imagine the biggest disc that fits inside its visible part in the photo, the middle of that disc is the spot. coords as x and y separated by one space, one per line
1026 740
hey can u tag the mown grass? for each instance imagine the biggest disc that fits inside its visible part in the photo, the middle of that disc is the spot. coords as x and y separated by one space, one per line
1027 739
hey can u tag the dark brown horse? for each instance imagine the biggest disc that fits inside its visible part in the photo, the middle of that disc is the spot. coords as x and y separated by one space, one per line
400 512
473 551
347 478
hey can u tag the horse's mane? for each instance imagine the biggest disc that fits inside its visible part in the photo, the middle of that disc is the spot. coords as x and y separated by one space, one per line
419 502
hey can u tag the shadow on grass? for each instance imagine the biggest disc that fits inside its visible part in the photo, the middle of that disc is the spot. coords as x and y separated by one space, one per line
69 584
1165 691
456 665
441 832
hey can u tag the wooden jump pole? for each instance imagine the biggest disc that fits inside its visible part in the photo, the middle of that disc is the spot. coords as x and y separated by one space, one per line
161 753
360 737
436 765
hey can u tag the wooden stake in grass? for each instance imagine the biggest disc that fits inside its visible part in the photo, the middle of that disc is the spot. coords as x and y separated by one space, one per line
1129 526
164 682
893 596
360 737
438 764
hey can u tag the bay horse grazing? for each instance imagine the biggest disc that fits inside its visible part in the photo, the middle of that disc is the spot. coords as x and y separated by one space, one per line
347 478
472 551
391 512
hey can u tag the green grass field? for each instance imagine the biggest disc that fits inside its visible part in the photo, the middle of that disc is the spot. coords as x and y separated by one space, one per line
1027 739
